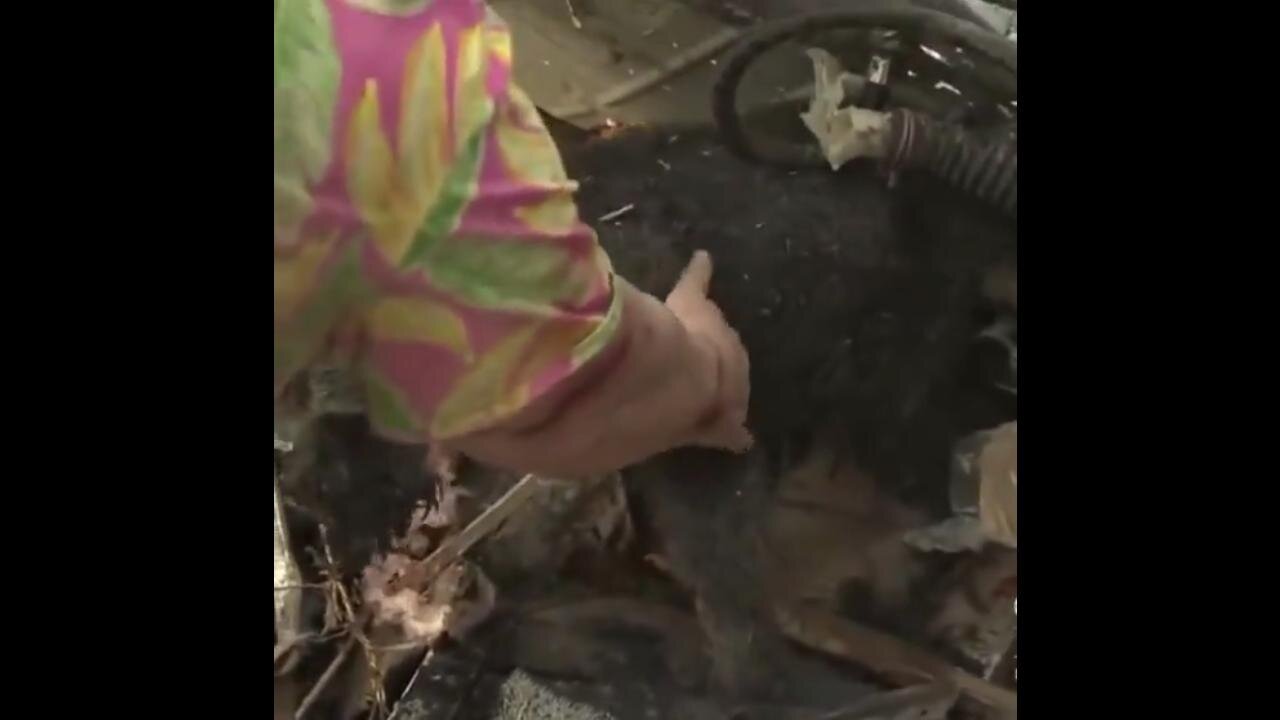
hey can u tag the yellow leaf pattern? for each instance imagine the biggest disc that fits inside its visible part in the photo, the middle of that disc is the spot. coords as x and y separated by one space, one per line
425 153
557 215
417 320
394 194
489 319
499 383
373 178
293 275
530 153
472 106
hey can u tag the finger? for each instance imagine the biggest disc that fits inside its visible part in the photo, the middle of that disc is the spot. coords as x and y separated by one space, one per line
730 436
739 439
696 276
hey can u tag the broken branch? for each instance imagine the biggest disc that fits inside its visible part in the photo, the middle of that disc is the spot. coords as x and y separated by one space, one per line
325 679
488 521
832 634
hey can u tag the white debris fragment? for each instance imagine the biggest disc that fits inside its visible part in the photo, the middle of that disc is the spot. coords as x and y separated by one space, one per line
842 133
618 213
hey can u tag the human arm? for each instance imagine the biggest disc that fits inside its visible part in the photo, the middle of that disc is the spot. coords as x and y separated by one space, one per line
675 375
433 243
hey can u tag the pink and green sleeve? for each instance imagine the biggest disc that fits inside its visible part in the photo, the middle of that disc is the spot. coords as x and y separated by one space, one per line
425 229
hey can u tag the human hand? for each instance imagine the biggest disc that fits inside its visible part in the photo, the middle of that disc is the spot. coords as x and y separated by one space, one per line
724 426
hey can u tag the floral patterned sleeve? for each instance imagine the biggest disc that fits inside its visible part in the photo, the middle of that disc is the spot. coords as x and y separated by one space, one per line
424 226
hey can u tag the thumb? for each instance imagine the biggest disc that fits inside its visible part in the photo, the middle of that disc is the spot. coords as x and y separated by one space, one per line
696 277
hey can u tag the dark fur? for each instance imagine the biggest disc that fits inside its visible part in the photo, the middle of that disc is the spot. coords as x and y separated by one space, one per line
857 303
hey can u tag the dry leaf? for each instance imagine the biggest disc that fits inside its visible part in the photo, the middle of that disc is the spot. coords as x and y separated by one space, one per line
998 464
834 506
977 616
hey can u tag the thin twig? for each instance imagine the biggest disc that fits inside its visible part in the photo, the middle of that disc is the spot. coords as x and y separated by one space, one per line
325 679
488 521
618 213
377 681
301 586
413 679
285 647
346 612
288 607
288 644
466 690
573 16
667 69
